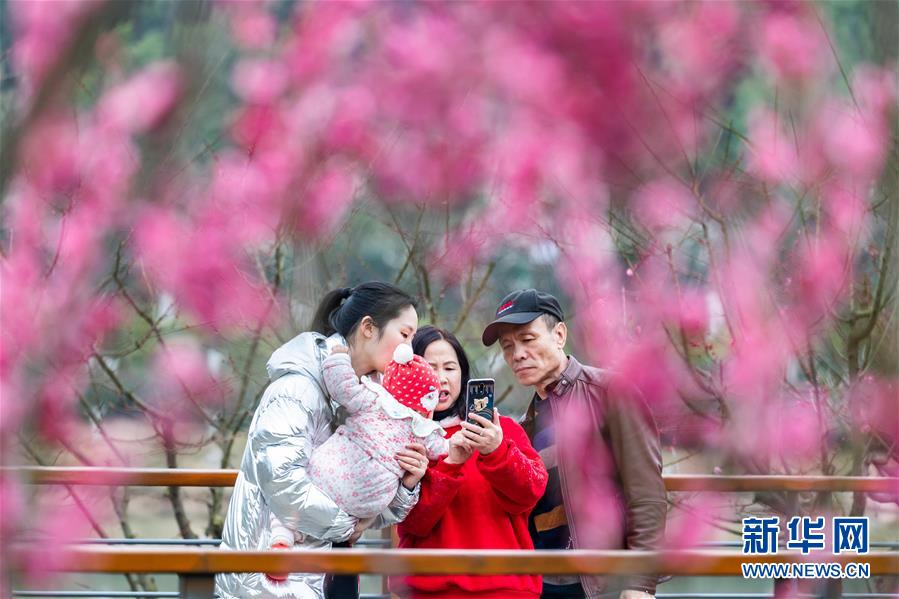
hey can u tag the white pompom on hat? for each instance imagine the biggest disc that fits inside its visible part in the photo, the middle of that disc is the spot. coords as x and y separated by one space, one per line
403 353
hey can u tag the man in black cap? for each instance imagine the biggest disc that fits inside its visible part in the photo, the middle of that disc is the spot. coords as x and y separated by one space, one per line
623 458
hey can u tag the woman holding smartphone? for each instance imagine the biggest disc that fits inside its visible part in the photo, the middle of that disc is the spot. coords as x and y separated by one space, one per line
478 497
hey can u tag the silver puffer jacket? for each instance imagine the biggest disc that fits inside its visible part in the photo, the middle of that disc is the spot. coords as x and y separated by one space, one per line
293 418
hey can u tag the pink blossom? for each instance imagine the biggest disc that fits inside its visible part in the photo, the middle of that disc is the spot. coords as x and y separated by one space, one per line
595 500
323 35
462 249
252 26
822 277
249 192
13 501
521 68
521 126
773 156
179 372
20 290
875 89
663 204
259 81
40 34
214 286
257 126
874 406
349 128
855 145
144 101
101 318
325 201
792 46
691 521
58 526
792 432
629 373
693 313
50 156
701 43
847 210
56 400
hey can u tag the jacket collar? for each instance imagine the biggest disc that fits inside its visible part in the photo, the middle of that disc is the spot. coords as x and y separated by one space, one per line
566 381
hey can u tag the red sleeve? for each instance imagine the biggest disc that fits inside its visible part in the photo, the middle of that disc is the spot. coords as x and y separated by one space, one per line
438 488
514 470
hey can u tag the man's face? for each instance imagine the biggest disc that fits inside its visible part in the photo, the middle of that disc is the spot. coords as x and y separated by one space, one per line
535 353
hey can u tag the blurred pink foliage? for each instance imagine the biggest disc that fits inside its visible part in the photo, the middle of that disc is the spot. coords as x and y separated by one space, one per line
525 115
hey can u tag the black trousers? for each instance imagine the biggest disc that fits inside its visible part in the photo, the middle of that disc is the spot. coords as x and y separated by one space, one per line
567 591
341 586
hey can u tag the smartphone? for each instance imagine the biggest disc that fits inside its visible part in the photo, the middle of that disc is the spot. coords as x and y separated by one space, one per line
479 398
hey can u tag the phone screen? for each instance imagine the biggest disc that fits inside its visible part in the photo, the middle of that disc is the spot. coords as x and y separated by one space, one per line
480 397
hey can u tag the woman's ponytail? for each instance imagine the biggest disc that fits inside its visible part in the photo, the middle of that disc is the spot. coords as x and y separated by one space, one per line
324 321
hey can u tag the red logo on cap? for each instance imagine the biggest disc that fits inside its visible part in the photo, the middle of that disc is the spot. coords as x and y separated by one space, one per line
504 307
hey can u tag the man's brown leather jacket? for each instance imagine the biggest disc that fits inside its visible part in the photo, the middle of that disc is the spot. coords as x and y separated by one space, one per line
610 467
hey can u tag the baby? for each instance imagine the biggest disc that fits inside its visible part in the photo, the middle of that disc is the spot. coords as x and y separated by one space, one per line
356 467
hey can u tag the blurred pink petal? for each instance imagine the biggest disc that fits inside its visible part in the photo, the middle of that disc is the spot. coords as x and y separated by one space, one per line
855 145
691 520
792 46
259 81
256 126
663 204
701 43
821 278
214 285
179 372
876 91
50 155
252 25
773 156
144 101
57 527
325 202
41 34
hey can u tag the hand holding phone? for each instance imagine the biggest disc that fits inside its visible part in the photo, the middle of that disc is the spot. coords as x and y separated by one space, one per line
479 398
482 435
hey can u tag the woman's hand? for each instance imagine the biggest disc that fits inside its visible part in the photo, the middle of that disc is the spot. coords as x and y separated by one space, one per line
459 450
486 437
360 527
340 349
414 460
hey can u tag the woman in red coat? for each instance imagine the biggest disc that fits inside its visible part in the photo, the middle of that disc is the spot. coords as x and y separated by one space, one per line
475 498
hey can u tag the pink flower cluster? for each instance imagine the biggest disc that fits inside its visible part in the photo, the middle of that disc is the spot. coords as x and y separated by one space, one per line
532 121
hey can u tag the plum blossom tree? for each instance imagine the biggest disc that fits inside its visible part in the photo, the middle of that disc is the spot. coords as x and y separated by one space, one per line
734 264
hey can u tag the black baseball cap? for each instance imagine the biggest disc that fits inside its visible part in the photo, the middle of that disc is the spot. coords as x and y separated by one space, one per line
521 307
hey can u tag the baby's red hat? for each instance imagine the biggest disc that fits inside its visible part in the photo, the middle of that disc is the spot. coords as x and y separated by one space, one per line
411 380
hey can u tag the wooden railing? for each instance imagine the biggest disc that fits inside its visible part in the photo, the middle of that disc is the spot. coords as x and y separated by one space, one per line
446 561
195 567
164 477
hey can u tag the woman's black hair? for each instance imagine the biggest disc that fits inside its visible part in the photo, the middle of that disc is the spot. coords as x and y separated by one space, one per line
427 335
341 310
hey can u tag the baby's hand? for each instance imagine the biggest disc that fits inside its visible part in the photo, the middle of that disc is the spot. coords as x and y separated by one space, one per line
340 349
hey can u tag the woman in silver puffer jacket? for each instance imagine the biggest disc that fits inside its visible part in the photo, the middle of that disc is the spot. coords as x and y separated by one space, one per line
294 417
